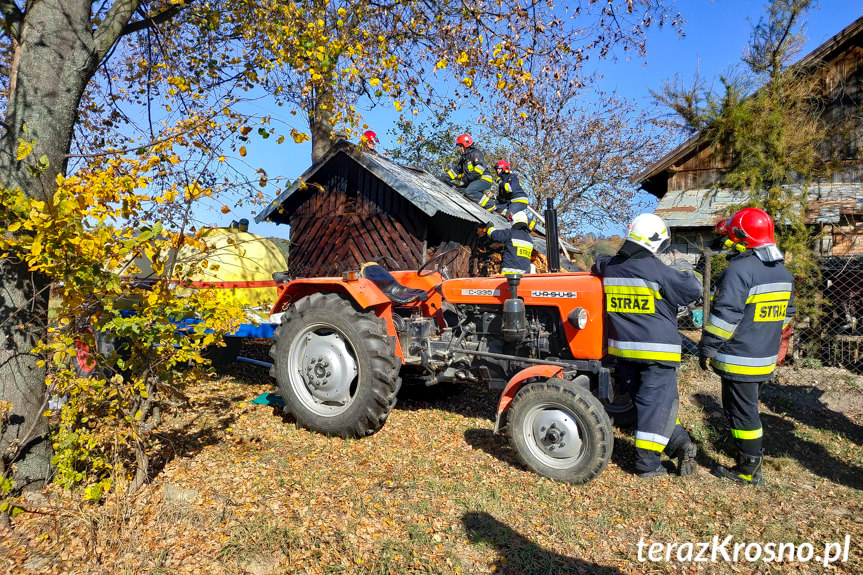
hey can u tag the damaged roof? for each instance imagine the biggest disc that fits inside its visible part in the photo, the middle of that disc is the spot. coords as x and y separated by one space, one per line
417 186
826 203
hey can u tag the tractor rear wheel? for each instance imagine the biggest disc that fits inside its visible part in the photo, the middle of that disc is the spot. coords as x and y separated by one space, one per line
335 366
560 430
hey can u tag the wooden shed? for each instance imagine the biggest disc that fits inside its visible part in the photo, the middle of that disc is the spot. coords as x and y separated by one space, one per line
354 206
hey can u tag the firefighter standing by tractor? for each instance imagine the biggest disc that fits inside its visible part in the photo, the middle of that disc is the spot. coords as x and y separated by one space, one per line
469 173
642 297
518 244
741 338
511 197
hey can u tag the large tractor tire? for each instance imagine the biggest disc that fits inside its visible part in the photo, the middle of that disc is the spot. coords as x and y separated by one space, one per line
560 430
335 366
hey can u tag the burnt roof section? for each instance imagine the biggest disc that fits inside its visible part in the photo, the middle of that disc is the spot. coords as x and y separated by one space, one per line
825 52
414 184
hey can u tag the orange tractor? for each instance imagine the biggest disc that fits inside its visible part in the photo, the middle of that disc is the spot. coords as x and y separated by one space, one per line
345 344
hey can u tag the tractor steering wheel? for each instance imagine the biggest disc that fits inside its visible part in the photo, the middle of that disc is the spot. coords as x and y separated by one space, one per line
437 263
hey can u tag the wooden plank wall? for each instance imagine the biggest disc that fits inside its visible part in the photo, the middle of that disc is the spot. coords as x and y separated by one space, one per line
355 218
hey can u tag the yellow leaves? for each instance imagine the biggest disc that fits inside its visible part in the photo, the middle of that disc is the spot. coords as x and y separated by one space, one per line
245 130
441 63
467 82
299 137
226 210
462 58
398 105
501 84
242 151
375 81
25 148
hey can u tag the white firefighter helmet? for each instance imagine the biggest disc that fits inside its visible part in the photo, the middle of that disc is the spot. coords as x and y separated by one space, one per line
520 218
650 232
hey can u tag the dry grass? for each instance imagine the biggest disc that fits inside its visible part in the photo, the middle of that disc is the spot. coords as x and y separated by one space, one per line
245 491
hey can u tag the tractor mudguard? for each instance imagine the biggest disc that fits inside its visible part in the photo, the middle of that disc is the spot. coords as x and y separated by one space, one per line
517 381
361 291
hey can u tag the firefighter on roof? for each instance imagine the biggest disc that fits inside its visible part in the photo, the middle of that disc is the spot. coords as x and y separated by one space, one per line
469 173
741 337
518 245
511 197
642 296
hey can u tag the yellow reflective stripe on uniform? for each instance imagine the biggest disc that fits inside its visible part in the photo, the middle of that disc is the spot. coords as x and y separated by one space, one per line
632 290
650 441
507 187
719 327
747 433
644 350
649 445
744 365
451 174
489 230
512 271
743 369
487 178
484 201
769 292
519 201
770 296
611 284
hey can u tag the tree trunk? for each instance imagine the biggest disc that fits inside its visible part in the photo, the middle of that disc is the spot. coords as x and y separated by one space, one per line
321 124
55 57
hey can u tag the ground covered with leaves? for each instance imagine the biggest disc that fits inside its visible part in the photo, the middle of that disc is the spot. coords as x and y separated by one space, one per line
243 490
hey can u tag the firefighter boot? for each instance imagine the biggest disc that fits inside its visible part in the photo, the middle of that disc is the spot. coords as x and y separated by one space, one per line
686 459
747 470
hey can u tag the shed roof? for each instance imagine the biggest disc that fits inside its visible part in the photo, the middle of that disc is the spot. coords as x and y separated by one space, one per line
420 188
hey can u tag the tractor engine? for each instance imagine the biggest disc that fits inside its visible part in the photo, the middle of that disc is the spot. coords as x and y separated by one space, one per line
476 344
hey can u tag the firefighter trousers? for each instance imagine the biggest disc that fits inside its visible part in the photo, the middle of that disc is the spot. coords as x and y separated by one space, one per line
476 190
740 402
653 388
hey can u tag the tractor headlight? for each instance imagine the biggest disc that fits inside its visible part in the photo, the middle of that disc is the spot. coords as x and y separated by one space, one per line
578 318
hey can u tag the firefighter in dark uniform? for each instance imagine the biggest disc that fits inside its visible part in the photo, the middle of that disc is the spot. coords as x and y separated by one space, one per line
511 197
470 174
741 337
642 296
518 245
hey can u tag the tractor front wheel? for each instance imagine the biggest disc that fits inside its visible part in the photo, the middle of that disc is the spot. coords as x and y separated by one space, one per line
560 430
335 366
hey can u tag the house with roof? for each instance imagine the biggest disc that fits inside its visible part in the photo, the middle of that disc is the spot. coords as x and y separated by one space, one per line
355 206
685 180
687 183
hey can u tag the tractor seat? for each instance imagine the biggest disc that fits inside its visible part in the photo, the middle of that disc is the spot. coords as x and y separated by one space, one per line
391 288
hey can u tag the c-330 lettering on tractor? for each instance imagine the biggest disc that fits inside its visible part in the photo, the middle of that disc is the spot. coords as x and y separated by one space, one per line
345 345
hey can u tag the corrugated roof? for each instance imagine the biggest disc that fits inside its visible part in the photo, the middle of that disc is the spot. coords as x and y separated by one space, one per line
416 185
704 207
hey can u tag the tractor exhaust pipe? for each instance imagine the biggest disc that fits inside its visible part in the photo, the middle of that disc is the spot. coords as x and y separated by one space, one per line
551 233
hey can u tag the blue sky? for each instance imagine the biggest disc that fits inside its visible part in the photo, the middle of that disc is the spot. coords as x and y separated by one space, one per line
716 32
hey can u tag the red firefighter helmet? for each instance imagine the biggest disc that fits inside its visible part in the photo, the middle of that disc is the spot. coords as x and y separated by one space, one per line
502 165
751 227
371 137
464 140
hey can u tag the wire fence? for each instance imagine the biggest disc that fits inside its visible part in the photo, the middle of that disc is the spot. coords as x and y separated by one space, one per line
835 336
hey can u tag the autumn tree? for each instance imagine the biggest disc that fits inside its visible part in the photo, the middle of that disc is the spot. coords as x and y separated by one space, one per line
139 104
323 56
